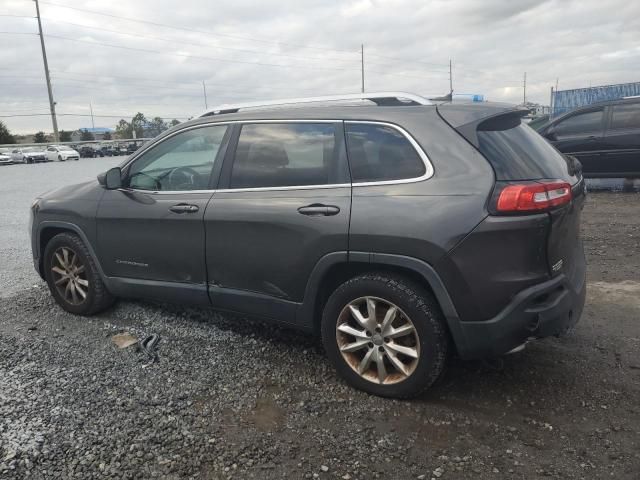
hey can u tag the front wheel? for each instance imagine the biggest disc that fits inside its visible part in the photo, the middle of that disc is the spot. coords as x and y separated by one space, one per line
60 158
385 335
72 276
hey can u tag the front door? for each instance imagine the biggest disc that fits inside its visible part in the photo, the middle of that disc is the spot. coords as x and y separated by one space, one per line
284 203
151 232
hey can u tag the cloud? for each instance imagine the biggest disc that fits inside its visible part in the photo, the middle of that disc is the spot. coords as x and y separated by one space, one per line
248 50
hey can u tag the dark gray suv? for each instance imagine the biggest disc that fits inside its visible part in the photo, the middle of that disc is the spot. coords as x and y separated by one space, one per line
400 231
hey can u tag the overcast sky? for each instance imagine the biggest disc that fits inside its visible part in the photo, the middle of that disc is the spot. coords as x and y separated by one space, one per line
250 50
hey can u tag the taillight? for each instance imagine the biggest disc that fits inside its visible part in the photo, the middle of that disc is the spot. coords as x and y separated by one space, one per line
533 196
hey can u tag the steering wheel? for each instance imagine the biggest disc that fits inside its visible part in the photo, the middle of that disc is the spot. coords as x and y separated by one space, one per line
182 177
156 183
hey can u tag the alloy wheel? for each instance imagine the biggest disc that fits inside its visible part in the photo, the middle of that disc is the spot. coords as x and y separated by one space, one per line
378 340
69 276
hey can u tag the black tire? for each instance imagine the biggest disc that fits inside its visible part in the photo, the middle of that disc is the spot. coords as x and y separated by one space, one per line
419 306
97 296
60 158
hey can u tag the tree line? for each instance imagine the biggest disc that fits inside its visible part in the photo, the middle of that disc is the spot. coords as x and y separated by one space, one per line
139 124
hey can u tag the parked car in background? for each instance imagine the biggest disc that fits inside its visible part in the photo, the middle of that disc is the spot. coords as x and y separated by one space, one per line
122 150
5 159
538 122
61 153
29 155
132 147
90 151
400 231
108 151
605 137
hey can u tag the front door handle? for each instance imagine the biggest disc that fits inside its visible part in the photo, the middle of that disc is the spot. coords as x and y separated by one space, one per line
184 208
318 209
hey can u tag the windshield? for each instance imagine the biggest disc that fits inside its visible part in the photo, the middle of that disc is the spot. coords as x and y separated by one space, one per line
65 148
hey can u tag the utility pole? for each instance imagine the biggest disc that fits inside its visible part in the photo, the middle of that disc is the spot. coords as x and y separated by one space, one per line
204 89
91 110
524 89
52 104
450 80
362 64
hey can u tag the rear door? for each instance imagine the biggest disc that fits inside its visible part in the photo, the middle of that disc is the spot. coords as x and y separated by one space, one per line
581 135
622 140
283 203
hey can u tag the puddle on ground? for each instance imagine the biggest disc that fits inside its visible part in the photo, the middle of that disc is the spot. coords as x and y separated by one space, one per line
627 291
630 185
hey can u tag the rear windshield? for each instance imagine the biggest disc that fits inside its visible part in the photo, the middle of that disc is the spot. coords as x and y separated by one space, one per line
519 153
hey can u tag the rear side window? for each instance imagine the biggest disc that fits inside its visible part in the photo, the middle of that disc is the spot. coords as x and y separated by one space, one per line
626 116
580 123
379 153
285 154
519 153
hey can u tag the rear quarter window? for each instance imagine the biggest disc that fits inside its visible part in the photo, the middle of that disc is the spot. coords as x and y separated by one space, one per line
520 153
381 153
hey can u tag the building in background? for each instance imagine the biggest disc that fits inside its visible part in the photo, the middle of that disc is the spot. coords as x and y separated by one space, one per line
563 101
97 132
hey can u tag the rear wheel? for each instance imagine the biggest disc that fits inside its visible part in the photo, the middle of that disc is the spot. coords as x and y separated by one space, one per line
73 277
385 335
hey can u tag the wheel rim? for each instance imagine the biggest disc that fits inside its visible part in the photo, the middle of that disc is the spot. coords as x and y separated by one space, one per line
69 276
378 340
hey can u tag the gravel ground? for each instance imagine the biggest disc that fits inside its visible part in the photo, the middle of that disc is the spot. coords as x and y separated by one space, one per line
230 398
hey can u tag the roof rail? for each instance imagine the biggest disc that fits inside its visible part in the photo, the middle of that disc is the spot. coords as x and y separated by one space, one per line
379 98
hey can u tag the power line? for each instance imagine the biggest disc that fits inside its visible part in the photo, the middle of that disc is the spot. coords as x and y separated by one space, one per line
16 16
87 115
157 24
182 42
18 33
185 55
202 57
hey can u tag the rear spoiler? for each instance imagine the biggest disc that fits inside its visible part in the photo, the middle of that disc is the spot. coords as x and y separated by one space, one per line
468 119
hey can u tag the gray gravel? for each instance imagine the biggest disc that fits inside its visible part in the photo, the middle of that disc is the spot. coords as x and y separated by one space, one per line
231 398
19 185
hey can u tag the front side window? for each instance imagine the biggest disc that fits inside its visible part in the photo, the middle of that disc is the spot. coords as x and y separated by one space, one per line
181 162
381 153
626 116
580 123
285 155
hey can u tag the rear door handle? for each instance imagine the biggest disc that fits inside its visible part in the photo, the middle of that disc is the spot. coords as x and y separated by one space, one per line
184 208
318 209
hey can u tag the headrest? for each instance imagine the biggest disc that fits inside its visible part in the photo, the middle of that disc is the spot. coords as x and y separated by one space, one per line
268 155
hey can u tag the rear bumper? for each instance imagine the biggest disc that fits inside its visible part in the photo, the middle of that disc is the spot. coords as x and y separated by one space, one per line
543 310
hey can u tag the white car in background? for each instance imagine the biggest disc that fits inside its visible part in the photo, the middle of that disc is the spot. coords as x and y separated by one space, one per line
5 159
29 155
61 153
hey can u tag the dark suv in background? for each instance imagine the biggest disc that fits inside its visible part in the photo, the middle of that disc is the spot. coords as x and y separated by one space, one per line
401 232
604 137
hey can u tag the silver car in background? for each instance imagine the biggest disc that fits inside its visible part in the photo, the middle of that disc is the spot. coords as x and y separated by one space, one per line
29 155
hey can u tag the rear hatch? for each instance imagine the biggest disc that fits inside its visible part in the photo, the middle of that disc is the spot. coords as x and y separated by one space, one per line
531 177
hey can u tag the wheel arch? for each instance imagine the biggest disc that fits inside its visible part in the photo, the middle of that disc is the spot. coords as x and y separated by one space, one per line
335 268
49 229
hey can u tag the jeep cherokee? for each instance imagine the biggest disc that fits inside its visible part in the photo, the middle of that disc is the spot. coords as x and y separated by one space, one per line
398 230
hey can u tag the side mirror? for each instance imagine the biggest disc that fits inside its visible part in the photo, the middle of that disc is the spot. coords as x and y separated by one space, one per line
113 178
